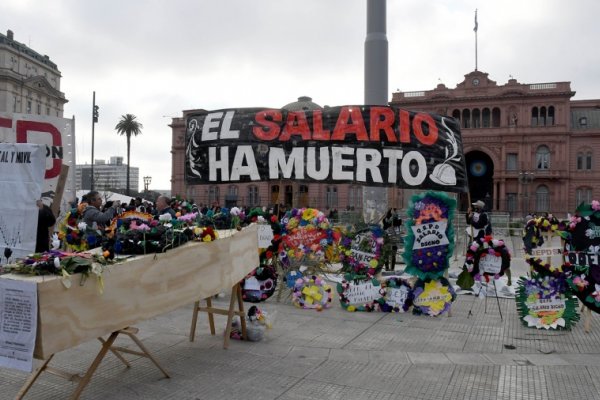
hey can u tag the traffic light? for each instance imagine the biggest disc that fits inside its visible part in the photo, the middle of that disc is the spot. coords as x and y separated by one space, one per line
96 113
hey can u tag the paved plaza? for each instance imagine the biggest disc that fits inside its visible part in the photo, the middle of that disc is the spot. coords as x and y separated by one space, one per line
335 354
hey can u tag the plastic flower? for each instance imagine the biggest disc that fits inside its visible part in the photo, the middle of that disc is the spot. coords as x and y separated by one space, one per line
580 282
82 226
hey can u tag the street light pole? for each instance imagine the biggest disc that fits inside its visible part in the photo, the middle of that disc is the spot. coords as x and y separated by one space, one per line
94 120
147 181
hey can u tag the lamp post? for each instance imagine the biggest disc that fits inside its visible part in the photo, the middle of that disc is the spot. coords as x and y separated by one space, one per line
147 180
525 178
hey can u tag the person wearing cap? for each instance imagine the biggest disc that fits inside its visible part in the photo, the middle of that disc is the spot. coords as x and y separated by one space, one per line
478 221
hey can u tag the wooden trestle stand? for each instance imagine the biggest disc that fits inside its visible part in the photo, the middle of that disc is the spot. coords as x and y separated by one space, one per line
85 379
236 295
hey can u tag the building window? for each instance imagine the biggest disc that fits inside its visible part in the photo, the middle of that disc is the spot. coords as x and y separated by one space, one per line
542 158
486 118
476 118
232 190
47 110
511 161
28 106
354 197
542 199
534 116
584 160
15 104
39 108
275 194
583 195
303 194
466 118
456 116
542 120
253 199
496 114
213 195
511 202
550 120
332 197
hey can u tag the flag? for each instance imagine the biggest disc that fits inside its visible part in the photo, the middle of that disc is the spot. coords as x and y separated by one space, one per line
476 24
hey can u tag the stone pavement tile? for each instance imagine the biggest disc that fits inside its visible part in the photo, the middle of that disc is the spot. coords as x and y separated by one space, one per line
425 382
506 359
546 359
314 390
473 382
592 360
373 376
308 353
573 382
358 356
398 357
468 359
594 372
428 358
516 383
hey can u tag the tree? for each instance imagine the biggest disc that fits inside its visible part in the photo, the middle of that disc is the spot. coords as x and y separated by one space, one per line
129 126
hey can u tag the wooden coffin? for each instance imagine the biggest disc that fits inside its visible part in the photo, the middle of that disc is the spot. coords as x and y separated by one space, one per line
139 289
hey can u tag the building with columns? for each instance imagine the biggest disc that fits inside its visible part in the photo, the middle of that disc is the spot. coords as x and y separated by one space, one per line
528 146
29 81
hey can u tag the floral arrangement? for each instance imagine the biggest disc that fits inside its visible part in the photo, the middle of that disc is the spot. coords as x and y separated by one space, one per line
205 234
361 295
312 292
306 237
432 297
75 234
487 257
398 295
429 242
62 263
260 284
361 253
584 282
545 302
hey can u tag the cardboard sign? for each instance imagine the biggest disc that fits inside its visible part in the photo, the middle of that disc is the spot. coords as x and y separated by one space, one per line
490 264
430 234
362 293
396 297
265 235
541 306
546 252
305 237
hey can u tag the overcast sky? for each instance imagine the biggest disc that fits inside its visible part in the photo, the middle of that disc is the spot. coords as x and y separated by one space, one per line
156 58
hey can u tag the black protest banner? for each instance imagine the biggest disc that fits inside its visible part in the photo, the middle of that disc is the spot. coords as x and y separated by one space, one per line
373 145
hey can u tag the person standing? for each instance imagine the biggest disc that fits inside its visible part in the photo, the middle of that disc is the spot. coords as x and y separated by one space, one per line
478 221
46 220
162 207
93 217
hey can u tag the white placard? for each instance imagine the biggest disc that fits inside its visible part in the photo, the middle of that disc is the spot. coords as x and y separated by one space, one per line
396 297
265 235
251 284
18 323
21 180
546 252
542 305
430 234
362 293
490 263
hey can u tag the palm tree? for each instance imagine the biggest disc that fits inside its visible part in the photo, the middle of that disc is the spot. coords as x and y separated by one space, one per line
129 126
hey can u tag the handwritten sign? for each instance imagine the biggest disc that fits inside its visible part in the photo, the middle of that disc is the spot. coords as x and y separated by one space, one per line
18 323
265 235
304 237
396 297
430 234
362 293
490 264
364 248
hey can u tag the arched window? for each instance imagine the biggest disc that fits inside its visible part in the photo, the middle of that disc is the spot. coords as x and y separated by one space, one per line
543 116
584 160
496 117
542 157
354 197
466 118
534 116
542 199
476 118
232 190
253 199
583 195
588 160
550 120
456 115
486 118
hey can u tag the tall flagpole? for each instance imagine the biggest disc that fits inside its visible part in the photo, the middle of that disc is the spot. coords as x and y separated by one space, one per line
475 30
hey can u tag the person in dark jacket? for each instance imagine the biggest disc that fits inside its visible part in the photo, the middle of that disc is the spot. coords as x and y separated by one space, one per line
478 221
46 220
93 217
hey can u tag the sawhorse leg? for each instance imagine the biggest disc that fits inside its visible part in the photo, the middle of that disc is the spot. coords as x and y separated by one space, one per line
236 295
